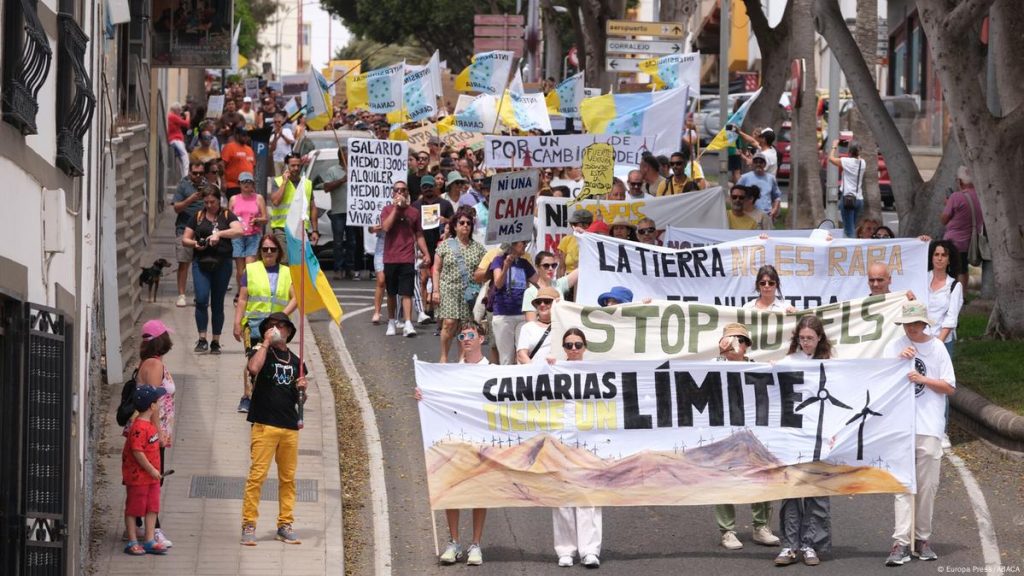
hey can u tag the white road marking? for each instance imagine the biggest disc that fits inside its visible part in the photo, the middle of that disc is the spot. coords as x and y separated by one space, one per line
347 289
986 530
371 435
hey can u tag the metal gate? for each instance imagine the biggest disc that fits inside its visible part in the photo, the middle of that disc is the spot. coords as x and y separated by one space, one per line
12 313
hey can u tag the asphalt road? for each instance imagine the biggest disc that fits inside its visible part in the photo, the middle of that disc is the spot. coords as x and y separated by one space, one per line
637 540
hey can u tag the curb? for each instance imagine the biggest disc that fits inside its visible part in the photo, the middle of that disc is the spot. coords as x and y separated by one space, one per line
994 424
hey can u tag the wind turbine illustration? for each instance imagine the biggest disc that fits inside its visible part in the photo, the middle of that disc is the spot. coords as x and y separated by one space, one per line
821 397
862 416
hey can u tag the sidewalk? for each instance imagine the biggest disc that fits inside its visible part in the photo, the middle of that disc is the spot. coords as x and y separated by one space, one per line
202 502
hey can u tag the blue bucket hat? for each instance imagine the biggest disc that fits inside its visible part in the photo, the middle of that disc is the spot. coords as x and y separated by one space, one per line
145 395
620 293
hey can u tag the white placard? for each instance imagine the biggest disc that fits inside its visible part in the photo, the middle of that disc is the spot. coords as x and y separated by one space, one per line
374 167
512 206
560 150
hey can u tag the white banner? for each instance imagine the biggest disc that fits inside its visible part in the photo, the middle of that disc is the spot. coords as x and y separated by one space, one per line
560 150
374 167
693 209
675 237
513 200
664 433
858 328
811 272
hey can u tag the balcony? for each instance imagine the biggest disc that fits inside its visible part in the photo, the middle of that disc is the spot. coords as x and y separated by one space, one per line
75 98
26 63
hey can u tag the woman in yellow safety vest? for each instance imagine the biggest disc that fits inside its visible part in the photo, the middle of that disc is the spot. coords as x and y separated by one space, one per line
265 288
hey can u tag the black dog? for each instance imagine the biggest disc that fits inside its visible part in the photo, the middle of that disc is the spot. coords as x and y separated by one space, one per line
151 277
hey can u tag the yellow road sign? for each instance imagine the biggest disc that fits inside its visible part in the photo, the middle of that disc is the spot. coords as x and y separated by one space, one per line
632 28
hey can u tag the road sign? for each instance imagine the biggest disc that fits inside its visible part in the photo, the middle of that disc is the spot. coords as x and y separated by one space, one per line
631 28
498 19
623 64
619 46
488 44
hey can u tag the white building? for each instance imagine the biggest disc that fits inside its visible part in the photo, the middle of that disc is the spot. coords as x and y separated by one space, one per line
291 50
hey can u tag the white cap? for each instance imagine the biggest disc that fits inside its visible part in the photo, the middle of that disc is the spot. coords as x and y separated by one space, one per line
247 99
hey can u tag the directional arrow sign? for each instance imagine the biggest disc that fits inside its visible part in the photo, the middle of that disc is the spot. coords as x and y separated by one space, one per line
631 28
623 65
618 46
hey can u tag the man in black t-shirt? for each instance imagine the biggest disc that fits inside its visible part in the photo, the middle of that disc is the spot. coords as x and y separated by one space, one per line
277 397
429 197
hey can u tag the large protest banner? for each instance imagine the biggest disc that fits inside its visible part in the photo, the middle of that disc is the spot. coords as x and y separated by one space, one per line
637 433
374 166
662 329
811 272
675 237
693 209
560 150
512 201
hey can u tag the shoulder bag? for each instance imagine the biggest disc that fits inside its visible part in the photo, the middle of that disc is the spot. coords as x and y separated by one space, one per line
978 249
470 289
850 198
540 342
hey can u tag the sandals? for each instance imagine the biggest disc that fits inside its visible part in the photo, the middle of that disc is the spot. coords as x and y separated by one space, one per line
154 547
133 548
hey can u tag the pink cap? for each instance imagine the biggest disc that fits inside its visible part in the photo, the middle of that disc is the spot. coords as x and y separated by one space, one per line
154 329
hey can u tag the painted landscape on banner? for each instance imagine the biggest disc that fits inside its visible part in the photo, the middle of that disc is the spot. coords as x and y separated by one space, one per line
633 433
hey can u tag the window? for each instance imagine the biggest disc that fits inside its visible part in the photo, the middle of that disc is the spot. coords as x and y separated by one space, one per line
26 63
307 32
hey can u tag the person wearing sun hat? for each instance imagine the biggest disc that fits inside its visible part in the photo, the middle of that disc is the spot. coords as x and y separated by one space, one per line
455 185
534 342
933 379
617 295
622 228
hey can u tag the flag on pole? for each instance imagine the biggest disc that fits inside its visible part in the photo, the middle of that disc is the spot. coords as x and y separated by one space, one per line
378 91
657 114
725 138
319 109
525 112
317 293
488 73
479 116
566 97
674 70
237 60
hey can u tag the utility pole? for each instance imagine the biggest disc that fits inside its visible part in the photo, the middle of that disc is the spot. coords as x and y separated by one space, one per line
832 182
724 39
300 38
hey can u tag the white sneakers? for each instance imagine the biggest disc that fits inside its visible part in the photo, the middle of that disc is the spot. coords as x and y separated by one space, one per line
181 303
392 328
408 331
565 561
763 536
730 541
591 561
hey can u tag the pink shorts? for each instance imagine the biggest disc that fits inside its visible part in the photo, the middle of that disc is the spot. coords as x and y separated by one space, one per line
142 499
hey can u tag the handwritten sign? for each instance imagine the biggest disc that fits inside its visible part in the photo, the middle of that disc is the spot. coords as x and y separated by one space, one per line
513 200
215 106
374 167
598 165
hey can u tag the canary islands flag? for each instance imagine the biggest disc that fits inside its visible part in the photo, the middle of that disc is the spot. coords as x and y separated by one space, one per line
566 97
674 70
725 138
657 114
378 91
319 110
317 293
480 115
488 73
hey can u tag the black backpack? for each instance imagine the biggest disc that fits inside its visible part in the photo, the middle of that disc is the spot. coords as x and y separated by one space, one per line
127 406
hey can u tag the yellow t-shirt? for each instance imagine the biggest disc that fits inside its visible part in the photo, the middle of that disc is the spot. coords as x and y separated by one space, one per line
571 250
489 257
748 221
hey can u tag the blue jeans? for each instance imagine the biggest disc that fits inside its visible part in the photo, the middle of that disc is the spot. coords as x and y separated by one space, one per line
210 290
348 241
850 217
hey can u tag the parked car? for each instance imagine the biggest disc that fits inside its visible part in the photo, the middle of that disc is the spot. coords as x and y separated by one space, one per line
884 184
318 139
314 167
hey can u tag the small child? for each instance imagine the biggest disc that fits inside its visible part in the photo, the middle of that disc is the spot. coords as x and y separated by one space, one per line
140 472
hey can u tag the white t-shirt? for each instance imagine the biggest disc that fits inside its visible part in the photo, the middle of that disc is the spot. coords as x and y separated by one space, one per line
482 361
528 338
853 176
283 147
560 284
944 308
771 156
932 361
778 305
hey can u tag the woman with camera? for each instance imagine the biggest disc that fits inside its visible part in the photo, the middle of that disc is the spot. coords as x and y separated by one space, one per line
210 234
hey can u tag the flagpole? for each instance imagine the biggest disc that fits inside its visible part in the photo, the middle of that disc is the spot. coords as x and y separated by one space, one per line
302 313
504 87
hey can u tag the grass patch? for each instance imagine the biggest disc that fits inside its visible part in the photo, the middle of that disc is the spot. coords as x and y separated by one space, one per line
989 367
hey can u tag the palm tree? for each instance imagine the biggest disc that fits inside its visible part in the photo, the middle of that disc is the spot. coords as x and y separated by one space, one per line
862 416
821 397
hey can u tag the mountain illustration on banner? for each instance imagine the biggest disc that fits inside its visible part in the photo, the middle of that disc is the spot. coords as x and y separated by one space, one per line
540 470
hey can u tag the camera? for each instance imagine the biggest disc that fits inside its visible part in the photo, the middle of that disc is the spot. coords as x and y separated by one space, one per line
202 242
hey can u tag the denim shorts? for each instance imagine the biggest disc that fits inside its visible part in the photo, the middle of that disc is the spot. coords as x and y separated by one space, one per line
378 254
245 246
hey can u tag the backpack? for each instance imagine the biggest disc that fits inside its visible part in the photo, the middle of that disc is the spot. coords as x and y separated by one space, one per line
127 406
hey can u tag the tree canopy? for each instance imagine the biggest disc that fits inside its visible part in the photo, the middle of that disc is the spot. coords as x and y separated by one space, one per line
254 15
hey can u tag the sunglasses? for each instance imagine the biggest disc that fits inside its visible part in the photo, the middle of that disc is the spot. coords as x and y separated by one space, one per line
737 197
646 231
549 266
766 283
464 223
635 184
466 336
269 249
478 180
573 345
677 163
198 173
543 302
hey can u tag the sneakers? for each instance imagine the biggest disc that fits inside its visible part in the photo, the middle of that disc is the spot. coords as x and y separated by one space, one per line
474 556
409 330
591 561
357 276
287 535
922 551
215 347
730 541
159 536
763 536
181 303
154 547
810 556
899 555
243 404
423 318
786 557
565 561
201 345
249 535
392 328
452 553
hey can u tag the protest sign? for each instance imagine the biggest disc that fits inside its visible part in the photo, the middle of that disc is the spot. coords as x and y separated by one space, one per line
418 137
669 433
559 150
598 164
811 272
574 186
459 140
215 106
858 328
252 88
374 166
512 202
430 216
693 209
675 237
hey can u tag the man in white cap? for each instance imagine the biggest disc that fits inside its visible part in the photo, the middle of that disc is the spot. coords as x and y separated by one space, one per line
248 113
933 379
771 197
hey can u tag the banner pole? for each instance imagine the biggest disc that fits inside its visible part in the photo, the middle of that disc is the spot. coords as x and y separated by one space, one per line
302 314
433 525
913 523
501 99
